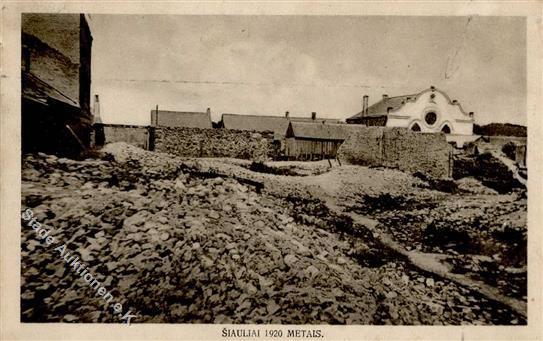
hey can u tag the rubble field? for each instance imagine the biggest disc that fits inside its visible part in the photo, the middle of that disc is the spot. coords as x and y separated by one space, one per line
225 241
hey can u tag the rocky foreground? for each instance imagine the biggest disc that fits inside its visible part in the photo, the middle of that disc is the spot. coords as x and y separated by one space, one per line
212 241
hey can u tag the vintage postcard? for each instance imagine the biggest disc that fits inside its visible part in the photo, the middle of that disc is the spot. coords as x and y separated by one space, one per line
277 171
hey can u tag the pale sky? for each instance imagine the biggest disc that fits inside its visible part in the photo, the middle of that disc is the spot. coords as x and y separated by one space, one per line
270 64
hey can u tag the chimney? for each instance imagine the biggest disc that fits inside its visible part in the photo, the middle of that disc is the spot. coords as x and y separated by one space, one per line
385 97
365 105
154 116
96 110
287 114
208 111
313 115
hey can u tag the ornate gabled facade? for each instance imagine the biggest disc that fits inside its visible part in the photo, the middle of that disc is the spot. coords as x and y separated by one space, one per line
430 111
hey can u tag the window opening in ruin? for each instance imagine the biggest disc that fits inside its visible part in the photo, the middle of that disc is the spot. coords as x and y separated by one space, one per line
430 118
415 127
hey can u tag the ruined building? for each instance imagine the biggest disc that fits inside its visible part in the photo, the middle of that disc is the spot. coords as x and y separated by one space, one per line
56 80
430 111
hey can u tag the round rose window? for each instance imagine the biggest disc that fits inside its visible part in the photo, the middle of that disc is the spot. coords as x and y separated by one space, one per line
430 118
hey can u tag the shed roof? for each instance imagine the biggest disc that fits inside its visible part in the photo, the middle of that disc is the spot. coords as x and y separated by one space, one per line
261 123
322 131
187 119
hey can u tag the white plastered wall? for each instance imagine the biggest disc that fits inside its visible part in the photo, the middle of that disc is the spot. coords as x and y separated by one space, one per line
414 111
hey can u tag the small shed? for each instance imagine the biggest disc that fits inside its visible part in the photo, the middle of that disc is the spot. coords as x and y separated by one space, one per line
310 141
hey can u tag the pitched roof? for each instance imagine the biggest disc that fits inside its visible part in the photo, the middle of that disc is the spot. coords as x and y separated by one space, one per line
187 119
322 131
276 124
37 90
317 120
381 108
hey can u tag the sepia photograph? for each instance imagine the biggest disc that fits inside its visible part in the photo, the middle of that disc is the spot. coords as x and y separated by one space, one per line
287 171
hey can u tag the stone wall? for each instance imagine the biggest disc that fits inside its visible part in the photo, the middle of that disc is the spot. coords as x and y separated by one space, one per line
362 147
196 142
135 135
398 148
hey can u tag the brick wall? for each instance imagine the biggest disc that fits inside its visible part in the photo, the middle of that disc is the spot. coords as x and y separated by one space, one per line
52 42
398 148
51 67
195 142
58 30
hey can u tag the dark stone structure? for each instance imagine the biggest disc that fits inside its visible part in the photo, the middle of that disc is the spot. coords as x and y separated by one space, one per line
56 78
195 142
428 153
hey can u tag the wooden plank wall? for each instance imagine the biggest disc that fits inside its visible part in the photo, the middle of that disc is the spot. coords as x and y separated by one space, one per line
309 149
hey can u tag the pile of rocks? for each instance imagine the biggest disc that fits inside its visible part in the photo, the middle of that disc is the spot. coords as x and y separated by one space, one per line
178 248
196 142
414 298
174 242
483 235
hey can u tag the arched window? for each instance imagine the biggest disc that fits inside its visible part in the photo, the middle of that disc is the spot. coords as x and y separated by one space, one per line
446 129
415 127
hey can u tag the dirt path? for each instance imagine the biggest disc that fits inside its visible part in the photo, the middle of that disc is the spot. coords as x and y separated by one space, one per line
330 185
511 165
432 263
